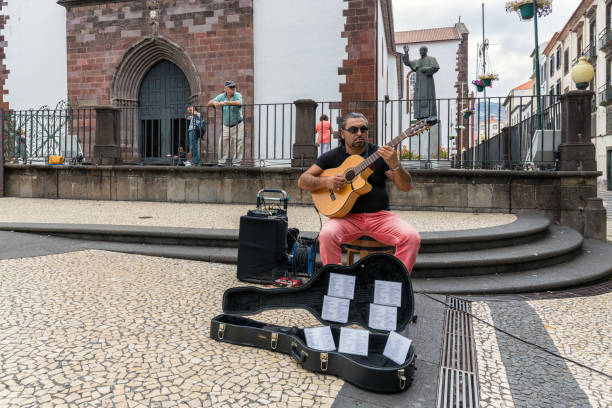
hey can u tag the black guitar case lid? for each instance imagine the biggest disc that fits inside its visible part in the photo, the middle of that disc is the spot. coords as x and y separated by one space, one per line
373 372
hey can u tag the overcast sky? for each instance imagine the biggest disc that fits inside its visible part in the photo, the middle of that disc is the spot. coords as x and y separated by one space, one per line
511 40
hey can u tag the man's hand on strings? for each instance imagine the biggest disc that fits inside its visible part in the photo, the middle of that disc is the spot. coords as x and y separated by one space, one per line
389 155
335 182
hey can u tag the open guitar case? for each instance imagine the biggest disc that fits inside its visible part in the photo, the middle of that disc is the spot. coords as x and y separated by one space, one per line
373 373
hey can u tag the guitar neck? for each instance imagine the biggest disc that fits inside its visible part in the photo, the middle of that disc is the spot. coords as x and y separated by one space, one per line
374 156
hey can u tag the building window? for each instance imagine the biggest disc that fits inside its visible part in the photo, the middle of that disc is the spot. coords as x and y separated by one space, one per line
551 98
552 65
579 47
543 72
558 58
566 61
558 88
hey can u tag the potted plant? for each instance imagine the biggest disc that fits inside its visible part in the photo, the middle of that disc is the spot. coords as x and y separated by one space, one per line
409 155
466 113
487 78
525 10
479 85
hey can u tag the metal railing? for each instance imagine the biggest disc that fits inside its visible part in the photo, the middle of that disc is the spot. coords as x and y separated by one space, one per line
527 142
154 135
590 52
31 136
470 133
605 94
605 38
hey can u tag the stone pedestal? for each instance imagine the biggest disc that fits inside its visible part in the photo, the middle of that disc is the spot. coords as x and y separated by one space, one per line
576 152
583 211
304 148
106 146
595 219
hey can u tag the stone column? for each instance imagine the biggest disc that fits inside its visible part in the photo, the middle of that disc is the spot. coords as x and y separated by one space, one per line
106 146
304 148
576 152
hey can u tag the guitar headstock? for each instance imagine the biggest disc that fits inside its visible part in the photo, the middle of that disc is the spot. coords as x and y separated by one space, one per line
421 126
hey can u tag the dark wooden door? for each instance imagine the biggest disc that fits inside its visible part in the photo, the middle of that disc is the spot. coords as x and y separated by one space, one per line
163 99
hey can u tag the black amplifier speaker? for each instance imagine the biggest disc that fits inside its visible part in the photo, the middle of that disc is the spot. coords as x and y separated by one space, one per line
262 249
262 240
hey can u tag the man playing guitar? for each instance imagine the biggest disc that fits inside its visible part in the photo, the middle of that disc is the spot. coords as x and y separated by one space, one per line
370 214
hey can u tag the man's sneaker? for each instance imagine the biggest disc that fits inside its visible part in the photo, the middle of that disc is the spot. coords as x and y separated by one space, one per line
187 163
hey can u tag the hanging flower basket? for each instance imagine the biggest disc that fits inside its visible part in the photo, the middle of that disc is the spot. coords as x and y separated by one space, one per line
466 113
479 85
525 10
488 78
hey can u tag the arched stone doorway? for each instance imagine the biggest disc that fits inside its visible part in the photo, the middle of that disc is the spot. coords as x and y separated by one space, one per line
163 98
136 63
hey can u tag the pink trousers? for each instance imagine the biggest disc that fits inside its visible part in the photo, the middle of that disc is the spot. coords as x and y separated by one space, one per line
383 226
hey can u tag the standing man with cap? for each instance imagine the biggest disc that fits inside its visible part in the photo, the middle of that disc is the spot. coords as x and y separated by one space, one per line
230 102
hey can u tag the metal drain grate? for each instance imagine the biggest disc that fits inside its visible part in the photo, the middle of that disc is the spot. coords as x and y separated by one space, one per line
458 381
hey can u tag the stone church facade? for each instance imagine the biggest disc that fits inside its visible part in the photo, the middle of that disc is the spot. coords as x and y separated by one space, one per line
111 45
114 49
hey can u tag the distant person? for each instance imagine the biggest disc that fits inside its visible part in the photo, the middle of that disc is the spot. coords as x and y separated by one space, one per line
180 157
324 131
230 102
193 133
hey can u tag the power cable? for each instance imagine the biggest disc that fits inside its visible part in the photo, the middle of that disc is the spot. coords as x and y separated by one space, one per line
552 353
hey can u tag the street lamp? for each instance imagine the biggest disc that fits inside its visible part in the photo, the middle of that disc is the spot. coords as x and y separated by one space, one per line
582 73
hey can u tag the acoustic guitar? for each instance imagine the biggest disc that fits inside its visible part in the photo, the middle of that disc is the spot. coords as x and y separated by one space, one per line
356 171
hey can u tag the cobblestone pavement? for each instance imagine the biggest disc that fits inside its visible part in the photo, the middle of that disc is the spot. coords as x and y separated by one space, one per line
207 215
513 374
95 328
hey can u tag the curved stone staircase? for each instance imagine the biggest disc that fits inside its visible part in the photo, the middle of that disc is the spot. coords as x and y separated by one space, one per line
527 255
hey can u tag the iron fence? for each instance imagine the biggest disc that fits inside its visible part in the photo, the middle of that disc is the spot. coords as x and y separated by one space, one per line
474 132
31 136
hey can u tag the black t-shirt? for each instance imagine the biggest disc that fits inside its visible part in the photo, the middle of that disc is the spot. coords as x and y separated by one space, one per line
377 199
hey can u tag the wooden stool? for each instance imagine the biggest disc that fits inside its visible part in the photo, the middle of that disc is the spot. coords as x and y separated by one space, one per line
365 246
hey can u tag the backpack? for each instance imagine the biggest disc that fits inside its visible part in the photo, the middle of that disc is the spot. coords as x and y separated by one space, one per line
200 127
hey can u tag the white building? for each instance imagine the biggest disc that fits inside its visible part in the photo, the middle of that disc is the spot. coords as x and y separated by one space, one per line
518 105
588 32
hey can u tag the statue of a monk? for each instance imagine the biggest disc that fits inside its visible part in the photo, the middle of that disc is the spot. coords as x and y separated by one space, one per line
424 88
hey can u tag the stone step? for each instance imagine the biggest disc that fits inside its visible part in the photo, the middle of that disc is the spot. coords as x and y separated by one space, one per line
559 245
527 228
592 264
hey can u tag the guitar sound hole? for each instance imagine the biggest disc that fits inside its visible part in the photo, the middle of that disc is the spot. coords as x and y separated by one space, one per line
349 175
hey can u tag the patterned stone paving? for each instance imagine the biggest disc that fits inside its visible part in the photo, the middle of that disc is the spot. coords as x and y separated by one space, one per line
101 329
513 374
207 215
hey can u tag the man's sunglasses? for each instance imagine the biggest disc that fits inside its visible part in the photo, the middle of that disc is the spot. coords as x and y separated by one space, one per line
355 129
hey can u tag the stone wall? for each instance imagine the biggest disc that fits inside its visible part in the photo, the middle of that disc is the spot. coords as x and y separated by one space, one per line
563 197
210 40
360 65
